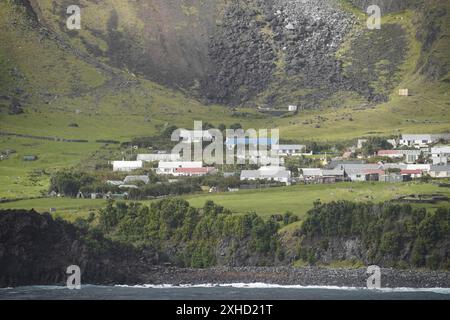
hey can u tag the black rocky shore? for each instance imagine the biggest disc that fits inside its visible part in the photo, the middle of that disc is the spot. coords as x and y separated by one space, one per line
310 276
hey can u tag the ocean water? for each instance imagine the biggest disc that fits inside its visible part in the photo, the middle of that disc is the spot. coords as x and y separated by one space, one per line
237 291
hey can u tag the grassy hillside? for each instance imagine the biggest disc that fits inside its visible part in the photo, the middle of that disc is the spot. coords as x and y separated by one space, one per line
58 82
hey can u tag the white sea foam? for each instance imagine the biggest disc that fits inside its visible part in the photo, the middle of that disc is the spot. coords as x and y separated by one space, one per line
277 286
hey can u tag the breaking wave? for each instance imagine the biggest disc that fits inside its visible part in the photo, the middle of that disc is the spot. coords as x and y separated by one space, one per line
277 286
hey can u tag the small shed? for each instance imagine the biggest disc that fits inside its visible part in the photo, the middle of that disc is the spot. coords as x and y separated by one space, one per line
403 92
30 158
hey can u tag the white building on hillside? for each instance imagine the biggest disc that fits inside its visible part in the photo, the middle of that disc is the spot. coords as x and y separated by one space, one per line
440 171
270 173
440 155
127 166
170 167
422 140
289 149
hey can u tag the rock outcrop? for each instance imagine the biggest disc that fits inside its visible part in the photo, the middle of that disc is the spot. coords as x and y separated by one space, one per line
36 249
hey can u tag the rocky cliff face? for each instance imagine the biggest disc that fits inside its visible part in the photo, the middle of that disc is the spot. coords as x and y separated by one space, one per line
35 249
264 44
238 52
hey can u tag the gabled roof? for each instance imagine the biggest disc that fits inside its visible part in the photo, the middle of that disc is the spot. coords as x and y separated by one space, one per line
438 168
311 171
336 163
417 171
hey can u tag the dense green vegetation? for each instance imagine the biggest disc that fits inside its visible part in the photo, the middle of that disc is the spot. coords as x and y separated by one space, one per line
374 144
187 236
384 234
390 235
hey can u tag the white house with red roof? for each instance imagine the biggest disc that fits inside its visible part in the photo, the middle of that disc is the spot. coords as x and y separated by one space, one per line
183 168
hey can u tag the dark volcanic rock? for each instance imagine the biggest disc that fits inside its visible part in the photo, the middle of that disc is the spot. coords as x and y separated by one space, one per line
242 59
390 278
36 249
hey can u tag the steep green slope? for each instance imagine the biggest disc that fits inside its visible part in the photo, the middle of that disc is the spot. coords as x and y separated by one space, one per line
57 82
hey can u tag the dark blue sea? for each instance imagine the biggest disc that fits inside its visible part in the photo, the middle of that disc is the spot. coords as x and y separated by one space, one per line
219 292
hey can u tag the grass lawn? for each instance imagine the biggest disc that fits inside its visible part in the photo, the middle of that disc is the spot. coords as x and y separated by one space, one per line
21 179
66 208
297 199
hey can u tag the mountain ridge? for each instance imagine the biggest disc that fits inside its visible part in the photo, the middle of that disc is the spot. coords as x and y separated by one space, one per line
197 47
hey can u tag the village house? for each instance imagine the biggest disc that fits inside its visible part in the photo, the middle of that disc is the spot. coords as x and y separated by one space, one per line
440 155
409 156
422 140
310 175
412 174
289 149
183 168
317 175
440 171
362 172
269 173
127 166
